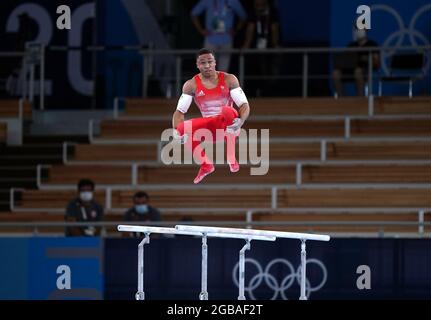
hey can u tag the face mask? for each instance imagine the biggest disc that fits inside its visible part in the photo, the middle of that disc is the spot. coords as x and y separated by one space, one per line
86 195
141 208
359 34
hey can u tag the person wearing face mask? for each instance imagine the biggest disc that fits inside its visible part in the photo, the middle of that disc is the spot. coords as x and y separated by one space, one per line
141 210
84 208
359 67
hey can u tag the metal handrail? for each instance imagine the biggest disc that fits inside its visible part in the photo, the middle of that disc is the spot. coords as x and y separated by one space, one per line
327 139
116 107
317 117
305 51
149 52
146 51
381 225
218 222
246 186
91 131
248 222
39 169
252 211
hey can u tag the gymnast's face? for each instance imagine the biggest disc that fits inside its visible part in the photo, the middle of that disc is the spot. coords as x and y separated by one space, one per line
206 64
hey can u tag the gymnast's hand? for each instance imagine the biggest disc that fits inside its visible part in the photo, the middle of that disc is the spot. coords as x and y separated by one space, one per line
180 138
235 126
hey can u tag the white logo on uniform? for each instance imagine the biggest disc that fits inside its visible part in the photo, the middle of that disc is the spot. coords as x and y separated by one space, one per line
201 93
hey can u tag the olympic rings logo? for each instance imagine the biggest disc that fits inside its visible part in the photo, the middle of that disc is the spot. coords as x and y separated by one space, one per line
279 288
398 36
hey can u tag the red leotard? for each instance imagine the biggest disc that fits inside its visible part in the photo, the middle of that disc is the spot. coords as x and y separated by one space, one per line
217 111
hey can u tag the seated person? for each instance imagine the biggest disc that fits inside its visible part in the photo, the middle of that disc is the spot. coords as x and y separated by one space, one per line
358 67
141 210
84 208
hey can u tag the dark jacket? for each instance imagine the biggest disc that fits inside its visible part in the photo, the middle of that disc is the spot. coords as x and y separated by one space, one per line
75 211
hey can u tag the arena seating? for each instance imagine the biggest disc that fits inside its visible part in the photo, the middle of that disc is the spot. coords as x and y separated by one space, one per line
277 174
379 172
152 129
289 151
144 153
260 197
3 133
300 107
11 109
91 152
357 198
376 150
265 107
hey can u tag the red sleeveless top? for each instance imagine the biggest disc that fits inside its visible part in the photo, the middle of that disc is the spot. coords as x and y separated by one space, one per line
210 101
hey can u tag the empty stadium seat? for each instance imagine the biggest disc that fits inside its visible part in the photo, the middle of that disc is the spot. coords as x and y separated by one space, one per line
348 181
3 132
11 109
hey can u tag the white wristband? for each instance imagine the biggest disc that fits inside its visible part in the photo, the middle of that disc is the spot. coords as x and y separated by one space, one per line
238 96
184 103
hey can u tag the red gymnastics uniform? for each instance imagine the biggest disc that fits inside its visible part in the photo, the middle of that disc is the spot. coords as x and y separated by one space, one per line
216 107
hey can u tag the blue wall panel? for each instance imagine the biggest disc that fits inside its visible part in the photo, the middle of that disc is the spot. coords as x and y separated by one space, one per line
13 268
29 268
399 269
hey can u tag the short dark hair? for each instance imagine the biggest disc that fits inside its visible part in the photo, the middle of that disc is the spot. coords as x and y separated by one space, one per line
140 194
204 51
85 182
